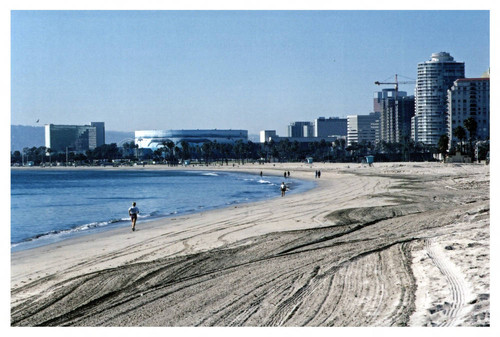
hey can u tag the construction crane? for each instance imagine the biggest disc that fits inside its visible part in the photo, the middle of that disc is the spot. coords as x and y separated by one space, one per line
396 83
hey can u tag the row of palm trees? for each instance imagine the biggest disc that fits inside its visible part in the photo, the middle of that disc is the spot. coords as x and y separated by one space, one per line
284 150
464 133
42 155
209 152
460 133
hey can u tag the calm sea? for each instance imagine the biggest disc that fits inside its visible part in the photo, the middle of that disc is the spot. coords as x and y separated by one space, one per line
52 205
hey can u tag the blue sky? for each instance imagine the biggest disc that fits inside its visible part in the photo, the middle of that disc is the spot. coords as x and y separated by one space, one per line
253 70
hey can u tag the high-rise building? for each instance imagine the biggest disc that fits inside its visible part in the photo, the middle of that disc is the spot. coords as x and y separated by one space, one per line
395 114
469 97
300 129
333 126
74 137
434 78
362 128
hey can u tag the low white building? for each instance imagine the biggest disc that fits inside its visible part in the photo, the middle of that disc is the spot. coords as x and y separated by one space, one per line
362 128
154 139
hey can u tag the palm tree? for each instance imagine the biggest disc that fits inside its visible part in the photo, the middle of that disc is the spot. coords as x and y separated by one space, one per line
272 148
168 145
266 150
164 149
459 132
40 152
185 150
171 148
471 126
207 151
443 145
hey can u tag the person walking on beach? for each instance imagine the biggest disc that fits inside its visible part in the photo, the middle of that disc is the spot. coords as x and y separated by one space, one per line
133 211
283 189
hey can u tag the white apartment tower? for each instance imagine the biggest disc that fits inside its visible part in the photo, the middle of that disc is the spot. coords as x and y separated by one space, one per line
434 78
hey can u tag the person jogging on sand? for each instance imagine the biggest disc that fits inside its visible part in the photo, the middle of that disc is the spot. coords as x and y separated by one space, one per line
133 211
283 189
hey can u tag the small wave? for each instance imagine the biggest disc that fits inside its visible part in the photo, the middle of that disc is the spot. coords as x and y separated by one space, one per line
64 232
211 174
262 181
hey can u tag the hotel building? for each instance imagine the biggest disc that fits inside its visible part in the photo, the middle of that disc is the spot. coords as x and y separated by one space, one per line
77 138
469 97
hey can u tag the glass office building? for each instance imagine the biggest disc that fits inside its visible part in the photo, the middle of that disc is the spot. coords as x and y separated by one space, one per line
333 126
77 138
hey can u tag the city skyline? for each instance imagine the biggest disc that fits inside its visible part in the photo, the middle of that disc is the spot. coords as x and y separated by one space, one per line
254 70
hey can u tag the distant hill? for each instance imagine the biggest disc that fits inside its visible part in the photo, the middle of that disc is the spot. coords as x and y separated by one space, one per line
119 136
22 136
254 138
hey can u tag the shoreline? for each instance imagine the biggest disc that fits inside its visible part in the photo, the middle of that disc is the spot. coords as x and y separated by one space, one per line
100 231
163 220
392 212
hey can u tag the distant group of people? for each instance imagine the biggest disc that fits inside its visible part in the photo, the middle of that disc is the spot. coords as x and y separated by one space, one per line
134 210
318 174
283 186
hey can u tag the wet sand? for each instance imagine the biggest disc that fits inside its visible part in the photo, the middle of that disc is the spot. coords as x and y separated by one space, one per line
397 244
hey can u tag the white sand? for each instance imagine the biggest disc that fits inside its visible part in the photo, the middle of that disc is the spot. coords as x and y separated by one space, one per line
408 244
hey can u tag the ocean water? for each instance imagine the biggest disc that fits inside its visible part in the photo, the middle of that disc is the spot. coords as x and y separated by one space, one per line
52 205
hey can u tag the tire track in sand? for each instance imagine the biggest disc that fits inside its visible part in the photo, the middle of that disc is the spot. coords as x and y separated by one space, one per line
453 311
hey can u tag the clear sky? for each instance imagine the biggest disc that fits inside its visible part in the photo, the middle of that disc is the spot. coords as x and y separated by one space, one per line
253 70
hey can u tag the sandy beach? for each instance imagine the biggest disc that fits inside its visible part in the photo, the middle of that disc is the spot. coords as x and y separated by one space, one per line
396 244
